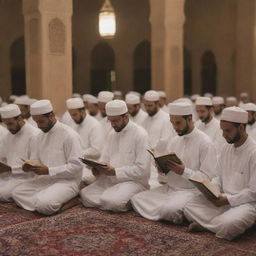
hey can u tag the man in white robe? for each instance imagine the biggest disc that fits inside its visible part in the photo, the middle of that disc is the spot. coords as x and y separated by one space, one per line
198 157
234 211
55 151
90 131
218 106
162 101
251 126
127 159
231 101
93 108
103 98
14 146
137 115
157 124
207 123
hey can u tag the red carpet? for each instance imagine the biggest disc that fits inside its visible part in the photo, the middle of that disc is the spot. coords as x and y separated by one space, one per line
81 231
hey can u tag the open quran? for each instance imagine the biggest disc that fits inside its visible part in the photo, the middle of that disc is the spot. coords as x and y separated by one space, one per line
30 162
92 163
206 187
162 160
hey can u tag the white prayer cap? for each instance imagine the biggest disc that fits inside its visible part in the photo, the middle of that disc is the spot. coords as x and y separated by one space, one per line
105 96
180 108
194 97
13 97
10 111
132 99
217 100
86 97
151 95
133 92
234 115
208 94
244 94
162 94
92 99
116 108
205 101
186 100
231 98
32 101
41 107
74 103
22 101
117 93
249 107
76 95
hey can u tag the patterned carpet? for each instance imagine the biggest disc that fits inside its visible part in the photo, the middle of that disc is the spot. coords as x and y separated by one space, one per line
80 231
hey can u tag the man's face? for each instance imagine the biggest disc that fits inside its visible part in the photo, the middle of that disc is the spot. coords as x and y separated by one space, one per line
24 109
133 109
151 107
44 123
102 108
180 124
118 122
77 115
204 113
251 117
162 101
217 108
230 132
12 124
93 109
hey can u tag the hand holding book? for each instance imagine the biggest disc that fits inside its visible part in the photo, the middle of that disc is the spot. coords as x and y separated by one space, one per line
4 167
37 168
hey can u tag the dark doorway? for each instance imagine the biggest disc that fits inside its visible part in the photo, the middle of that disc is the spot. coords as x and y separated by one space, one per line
102 63
18 72
187 73
209 73
142 67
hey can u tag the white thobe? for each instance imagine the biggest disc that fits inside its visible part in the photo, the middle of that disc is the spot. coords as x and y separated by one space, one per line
212 129
167 202
98 116
12 148
139 117
236 178
3 132
126 152
106 126
165 109
59 150
159 128
32 122
67 119
251 130
91 133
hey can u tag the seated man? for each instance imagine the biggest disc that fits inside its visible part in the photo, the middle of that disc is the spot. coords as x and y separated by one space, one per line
197 153
14 146
56 149
127 159
234 211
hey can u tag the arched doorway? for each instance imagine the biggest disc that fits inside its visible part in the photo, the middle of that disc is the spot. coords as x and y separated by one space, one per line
142 67
18 72
187 72
208 73
102 63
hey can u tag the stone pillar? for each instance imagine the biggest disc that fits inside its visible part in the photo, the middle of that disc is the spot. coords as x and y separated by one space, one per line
167 20
48 50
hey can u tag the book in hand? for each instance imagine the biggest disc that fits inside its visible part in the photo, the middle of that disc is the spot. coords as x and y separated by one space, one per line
162 160
30 163
206 187
92 163
4 167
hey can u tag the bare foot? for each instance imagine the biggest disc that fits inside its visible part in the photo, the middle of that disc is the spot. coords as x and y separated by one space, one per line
195 227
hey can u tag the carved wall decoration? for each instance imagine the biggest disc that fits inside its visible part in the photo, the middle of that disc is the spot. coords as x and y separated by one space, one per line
57 37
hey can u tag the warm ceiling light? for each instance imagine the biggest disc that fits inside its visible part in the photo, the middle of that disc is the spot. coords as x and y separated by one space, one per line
107 20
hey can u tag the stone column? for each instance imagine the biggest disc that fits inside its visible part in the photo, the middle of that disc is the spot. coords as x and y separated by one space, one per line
167 20
48 50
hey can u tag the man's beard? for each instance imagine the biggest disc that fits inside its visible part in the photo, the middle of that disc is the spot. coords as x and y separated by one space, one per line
79 121
184 131
134 113
251 122
48 128
206 119
17 129
235 139
152 113
120 128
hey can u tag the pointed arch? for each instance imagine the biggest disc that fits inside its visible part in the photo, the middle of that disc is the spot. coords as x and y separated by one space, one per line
102 63
187 72
142 67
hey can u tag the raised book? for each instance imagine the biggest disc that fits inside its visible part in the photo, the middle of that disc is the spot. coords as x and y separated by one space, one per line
92 163
206 187
162 160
